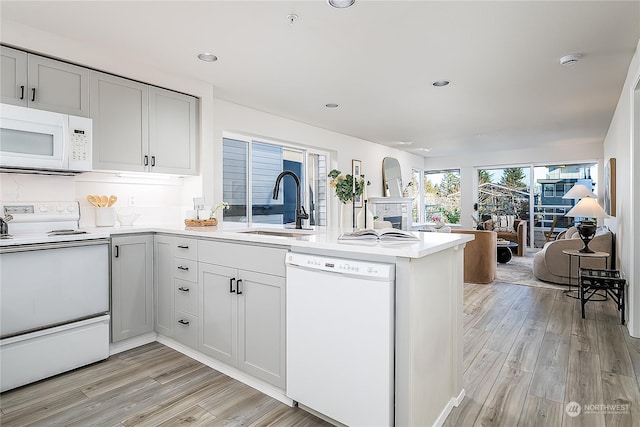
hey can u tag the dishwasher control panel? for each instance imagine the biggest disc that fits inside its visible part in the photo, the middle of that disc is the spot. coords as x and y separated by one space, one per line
368 269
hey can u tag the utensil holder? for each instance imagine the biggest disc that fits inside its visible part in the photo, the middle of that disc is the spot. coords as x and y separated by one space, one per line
105 217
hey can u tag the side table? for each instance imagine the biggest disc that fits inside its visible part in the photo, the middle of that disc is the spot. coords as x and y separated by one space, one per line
575 253
610 281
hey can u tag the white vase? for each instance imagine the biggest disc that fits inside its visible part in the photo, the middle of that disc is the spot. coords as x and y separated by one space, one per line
346 217
365 213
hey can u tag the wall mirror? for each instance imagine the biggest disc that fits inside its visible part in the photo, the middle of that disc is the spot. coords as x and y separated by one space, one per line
391 177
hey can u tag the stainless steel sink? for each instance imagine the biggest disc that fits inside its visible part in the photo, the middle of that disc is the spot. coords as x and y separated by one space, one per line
275 233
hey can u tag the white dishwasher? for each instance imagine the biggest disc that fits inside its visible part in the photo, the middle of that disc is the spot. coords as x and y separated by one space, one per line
340 338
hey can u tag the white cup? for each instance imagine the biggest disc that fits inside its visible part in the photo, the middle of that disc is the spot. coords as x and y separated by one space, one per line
191 214
204 213
105 217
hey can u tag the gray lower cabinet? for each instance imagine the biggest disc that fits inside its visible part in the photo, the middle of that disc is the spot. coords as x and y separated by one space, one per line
34 81
242 311
131 286
176 288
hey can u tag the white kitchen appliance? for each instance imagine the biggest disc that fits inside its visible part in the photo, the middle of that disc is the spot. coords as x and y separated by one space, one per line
340 338
36 140
54 293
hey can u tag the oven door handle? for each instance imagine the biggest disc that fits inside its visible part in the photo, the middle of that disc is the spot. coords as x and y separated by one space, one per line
56 245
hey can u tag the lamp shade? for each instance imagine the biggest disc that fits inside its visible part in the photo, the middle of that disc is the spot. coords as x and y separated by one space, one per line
587 208
579 191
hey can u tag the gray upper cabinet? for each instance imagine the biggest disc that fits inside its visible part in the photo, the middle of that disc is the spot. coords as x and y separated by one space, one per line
131 286
141 128
14 77
120 113
37 82
172 132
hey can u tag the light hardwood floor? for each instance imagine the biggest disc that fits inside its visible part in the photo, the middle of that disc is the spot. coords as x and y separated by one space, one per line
527 353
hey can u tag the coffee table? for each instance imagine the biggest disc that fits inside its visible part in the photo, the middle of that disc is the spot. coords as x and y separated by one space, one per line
504 248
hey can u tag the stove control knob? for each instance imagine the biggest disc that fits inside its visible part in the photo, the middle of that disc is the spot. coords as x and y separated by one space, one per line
59 208
71 208
43 209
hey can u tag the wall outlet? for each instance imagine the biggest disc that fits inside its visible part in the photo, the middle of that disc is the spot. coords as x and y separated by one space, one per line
132 200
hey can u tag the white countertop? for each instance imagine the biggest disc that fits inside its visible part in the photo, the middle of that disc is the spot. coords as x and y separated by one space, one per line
427 244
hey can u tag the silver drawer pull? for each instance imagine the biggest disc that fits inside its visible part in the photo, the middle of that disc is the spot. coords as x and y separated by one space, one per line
183 289
183 246
183 322
182 267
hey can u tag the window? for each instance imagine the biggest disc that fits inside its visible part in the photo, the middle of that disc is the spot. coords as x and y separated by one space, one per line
255 165
550 184
442 196
504 191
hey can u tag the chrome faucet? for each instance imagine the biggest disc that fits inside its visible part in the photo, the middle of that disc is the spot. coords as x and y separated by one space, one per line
4 228
300 211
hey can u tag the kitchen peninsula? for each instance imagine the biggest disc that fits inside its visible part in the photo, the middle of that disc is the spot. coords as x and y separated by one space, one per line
427 371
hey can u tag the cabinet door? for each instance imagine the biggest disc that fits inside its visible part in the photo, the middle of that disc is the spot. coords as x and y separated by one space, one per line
131 286
261 349
163 286
13 76
58 86
219 312
172 132
120 113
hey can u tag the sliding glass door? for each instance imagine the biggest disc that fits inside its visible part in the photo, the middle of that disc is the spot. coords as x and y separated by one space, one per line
533 193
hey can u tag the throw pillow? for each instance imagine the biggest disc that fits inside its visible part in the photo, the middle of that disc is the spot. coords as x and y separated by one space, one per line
501 223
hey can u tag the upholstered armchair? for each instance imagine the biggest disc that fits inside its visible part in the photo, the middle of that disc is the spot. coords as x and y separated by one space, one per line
551 265
511 229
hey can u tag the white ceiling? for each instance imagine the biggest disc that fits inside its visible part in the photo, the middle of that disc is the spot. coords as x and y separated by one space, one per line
378 60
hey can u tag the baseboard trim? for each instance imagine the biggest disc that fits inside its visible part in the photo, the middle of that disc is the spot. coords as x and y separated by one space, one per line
234 373
128 344
453 402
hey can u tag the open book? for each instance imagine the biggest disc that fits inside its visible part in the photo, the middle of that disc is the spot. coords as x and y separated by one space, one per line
379 234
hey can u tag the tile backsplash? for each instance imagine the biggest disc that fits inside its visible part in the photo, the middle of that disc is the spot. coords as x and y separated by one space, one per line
158 199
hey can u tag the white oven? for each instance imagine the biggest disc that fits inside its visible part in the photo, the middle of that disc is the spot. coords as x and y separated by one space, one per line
33 139
54 293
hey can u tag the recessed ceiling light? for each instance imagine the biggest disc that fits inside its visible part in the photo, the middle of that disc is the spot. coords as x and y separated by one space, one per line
341 4
207 57
441 83
424 149
404 142
331 105
568 60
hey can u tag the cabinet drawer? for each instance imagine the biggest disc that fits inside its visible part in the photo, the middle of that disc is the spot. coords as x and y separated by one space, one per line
186 329
185 269
185 248
262 259
186 296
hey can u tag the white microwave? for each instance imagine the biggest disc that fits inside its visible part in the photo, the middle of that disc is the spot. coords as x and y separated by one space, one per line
38 140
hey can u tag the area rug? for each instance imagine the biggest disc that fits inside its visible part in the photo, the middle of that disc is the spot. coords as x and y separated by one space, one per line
519 271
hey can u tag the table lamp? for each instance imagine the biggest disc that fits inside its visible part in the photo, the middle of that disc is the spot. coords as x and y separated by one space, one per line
587 208
579 191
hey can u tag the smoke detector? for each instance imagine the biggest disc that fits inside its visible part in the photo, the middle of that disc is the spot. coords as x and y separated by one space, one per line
571 59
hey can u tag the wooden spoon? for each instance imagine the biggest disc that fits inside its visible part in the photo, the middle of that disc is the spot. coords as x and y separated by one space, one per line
93 201
112 200
103 201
